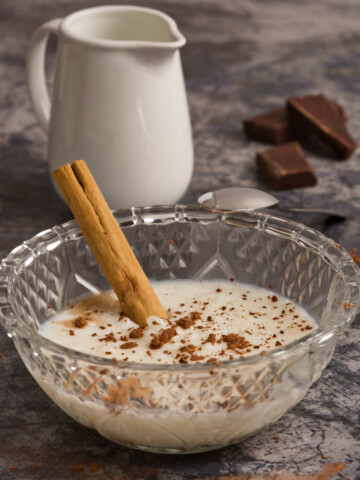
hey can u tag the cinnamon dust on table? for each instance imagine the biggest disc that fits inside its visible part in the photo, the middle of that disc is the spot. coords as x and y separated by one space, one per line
354 255
94 467
327 473
78 468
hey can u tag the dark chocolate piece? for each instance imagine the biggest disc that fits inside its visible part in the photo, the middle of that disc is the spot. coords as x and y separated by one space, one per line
272 127
340 111
315 114
285 167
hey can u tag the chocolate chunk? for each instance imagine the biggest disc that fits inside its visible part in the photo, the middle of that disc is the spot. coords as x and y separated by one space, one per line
285 167
272 127
315 114
339 109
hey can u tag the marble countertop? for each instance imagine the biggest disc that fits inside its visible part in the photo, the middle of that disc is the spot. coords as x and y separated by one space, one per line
242 58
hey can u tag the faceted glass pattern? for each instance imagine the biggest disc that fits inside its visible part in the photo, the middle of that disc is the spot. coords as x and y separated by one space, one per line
46 272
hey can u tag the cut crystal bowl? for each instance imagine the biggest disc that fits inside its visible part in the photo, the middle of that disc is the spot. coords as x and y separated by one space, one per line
180 408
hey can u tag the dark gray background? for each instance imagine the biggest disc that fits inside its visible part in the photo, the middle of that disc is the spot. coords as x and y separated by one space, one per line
242 57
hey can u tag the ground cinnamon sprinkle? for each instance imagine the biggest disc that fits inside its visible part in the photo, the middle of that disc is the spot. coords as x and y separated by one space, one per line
109 337
137 333
188 349
234 340
128 345
93 467
214 361
80 322
210 339
354 255
185 322
164 337
195 358
78 468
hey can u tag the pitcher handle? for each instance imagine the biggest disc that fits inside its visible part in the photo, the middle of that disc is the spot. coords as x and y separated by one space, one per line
35 71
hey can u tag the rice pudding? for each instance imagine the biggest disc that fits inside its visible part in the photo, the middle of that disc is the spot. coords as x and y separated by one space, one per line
209 322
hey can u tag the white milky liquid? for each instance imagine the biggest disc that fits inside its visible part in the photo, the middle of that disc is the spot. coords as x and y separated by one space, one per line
183 420
257 320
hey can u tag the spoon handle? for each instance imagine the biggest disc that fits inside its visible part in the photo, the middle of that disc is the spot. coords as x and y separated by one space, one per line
322 211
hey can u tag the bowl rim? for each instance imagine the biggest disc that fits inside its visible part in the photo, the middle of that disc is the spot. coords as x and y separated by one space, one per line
305 236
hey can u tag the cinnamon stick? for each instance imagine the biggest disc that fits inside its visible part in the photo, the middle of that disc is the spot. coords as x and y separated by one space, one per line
108 243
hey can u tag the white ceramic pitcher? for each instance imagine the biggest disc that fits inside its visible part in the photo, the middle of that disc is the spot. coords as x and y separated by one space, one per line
119 101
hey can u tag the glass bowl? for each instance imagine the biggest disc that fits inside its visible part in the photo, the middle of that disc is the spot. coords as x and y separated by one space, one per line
180 408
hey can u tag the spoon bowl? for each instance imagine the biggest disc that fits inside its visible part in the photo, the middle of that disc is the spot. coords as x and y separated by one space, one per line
236 199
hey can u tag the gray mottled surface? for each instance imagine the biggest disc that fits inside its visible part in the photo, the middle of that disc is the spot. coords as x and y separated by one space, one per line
242 57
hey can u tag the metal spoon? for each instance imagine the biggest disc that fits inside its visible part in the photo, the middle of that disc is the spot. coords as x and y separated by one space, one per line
237 199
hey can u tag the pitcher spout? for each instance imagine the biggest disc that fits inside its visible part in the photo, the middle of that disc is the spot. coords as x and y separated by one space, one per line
123 27
178 39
